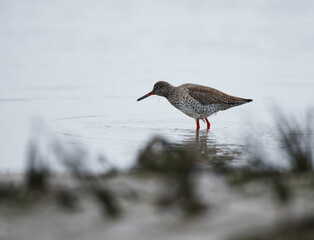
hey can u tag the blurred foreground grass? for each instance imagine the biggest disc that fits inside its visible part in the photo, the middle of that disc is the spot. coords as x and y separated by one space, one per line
174 170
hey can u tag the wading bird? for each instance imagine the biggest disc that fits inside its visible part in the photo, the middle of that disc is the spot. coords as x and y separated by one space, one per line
196 101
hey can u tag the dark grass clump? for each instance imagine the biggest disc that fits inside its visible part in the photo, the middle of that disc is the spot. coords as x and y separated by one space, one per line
37 172
297 142
67 199
74 162
37 183
295 147
107 200
175 165
11 194
260 173
34 187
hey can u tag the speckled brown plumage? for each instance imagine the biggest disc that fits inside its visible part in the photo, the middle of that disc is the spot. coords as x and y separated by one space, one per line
207 95
196 101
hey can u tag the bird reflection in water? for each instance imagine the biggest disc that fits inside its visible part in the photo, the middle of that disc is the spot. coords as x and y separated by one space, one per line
209 150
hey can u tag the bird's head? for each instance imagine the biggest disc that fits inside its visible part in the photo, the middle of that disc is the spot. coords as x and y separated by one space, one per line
161 88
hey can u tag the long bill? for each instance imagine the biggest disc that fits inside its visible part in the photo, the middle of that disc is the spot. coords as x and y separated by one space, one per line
145 96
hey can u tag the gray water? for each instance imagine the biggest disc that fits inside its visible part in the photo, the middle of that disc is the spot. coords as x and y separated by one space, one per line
73 70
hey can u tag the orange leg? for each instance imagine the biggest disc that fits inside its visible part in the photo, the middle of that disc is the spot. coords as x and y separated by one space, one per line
197 124
208 124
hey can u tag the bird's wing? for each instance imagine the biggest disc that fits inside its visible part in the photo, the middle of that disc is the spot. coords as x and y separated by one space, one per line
208 95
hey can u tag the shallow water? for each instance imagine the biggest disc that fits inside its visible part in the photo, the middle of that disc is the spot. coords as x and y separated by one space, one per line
74 70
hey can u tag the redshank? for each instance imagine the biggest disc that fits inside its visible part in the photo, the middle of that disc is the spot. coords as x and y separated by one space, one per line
196 101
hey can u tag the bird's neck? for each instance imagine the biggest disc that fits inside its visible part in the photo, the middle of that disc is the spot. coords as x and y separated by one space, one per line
171 91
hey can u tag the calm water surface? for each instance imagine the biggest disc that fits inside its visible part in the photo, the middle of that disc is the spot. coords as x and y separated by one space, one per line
74 70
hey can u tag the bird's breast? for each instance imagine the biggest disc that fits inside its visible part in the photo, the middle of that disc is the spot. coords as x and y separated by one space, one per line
191 107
